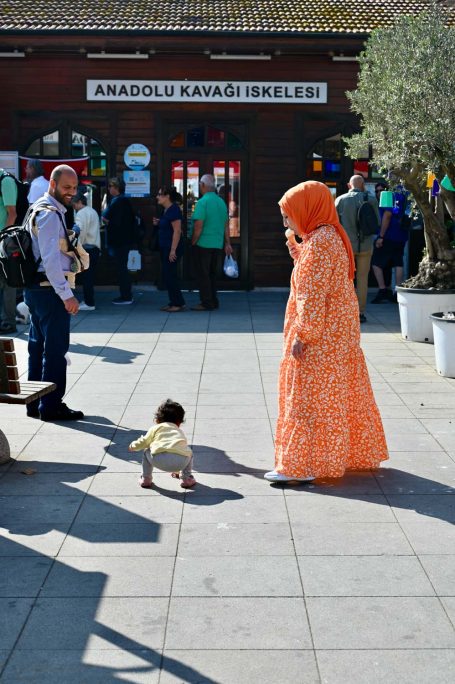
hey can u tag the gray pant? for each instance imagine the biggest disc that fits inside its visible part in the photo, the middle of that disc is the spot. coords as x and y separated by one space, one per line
169 462
8 305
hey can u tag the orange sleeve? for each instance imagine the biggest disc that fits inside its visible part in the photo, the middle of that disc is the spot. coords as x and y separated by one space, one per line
312 281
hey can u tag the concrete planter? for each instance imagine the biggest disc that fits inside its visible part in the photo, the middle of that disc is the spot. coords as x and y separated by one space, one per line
416 307
5 453
444 344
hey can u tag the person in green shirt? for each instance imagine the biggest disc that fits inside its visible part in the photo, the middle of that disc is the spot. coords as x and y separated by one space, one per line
210 235
8 198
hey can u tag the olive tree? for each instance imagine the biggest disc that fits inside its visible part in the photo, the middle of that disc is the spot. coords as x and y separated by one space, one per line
406 102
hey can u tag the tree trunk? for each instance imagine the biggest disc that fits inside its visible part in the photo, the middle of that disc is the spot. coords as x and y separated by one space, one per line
437 268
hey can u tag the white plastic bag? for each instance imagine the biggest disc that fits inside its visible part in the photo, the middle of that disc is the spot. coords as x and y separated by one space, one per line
230 267
134 260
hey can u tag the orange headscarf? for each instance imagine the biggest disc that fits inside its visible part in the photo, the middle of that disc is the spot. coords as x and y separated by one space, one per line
311 205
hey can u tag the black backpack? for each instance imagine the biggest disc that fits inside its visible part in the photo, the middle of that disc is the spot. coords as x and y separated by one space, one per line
22 196
18 266
367 221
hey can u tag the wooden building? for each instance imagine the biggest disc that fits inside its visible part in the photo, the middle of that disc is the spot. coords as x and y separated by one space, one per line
251 90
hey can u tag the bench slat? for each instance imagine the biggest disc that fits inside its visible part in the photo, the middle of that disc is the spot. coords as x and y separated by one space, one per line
29 391
12 391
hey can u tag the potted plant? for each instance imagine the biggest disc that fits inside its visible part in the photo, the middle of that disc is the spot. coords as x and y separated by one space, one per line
407 110
444 342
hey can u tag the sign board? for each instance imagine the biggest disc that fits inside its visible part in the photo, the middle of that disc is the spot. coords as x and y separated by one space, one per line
234 92
136 156
9 161
137 183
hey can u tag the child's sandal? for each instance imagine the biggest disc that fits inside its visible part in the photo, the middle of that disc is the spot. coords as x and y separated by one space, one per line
188 482
146 483
176 475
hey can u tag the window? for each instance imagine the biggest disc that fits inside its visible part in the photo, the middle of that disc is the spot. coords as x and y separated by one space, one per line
207 137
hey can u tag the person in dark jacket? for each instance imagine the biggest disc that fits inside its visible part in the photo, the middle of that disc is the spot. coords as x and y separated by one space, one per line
120 222
171 245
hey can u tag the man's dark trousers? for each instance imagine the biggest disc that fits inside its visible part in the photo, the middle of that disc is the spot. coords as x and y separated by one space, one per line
171 280
123 275
206 266
48 342
87 278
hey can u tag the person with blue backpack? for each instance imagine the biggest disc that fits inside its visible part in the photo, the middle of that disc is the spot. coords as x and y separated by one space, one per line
389 245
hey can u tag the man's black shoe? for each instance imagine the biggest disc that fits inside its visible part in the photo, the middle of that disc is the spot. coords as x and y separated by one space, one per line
382 296
62 413
33 412
362 318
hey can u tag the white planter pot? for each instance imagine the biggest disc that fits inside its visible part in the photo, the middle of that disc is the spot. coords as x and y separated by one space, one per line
416 307
444 344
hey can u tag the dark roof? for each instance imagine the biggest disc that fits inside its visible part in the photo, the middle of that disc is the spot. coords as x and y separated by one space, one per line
203 16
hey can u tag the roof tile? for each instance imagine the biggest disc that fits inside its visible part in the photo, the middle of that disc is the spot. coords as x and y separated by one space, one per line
204 16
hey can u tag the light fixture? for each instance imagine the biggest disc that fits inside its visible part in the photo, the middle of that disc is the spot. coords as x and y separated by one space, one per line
260 57
15 53
117 55
343 58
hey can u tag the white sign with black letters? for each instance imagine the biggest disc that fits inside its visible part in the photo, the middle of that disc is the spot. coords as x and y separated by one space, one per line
207 91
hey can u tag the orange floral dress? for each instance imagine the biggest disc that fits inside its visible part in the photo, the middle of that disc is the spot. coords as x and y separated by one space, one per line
328 420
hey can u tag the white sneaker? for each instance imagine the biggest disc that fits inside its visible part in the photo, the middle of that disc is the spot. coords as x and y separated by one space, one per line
85 307
273 476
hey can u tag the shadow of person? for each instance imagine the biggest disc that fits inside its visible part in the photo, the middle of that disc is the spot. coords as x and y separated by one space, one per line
202 494
390 487
208 459
105 354
60 630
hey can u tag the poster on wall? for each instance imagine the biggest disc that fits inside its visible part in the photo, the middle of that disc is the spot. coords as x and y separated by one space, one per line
137 183
137 156
9 161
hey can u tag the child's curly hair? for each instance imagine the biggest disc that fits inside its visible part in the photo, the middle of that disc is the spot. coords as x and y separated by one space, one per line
170 412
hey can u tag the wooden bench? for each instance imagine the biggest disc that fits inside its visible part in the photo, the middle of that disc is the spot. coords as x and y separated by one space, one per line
13 391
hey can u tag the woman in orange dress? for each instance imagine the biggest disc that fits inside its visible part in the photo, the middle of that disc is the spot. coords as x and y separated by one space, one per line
328 420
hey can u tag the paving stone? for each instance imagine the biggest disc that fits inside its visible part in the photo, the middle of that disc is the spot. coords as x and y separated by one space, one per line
16 483
255 509
13 614
412 508
119 576
23 577
235 539
241 667
137 539
380 622
320 508
345 539
237 623
46 509
441 571
364 576
131 509
110 623
87 666
236 576
409 666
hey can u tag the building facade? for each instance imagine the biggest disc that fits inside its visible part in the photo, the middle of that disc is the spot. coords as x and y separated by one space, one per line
254 92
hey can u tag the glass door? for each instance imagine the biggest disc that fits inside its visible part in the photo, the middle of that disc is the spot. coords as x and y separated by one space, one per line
186 167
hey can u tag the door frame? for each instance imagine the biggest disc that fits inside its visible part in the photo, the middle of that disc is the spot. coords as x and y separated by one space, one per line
167 127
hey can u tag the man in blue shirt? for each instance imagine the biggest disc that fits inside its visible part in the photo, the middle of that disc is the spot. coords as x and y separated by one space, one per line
51 300
389 247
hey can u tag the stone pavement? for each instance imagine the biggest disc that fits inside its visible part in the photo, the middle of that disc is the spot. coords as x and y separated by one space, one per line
342 582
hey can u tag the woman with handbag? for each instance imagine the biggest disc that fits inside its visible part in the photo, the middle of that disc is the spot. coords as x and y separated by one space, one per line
328 421
170 241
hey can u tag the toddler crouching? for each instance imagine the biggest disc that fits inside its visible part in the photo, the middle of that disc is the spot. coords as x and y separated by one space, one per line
165 447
